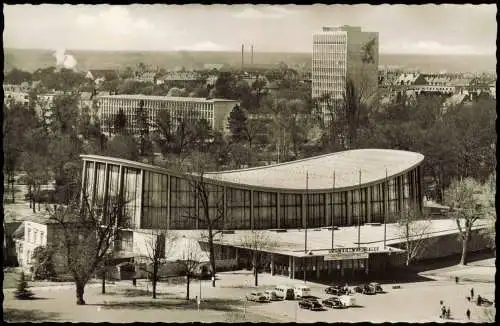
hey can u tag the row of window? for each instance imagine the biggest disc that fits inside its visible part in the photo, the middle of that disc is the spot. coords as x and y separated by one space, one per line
35 236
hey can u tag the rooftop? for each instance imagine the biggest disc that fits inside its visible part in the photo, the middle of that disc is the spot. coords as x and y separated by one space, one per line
319 240
165 98
351 168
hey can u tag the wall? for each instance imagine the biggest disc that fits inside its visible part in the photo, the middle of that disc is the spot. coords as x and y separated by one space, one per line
448 245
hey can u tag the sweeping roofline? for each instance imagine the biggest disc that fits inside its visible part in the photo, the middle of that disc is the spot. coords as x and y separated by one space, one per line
211 177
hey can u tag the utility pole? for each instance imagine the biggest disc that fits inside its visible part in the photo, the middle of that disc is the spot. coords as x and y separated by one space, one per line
305 231
359 212
333 207
386 204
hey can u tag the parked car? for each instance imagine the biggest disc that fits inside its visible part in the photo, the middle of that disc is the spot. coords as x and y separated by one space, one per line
257 297
311 304
376 286
285 292
333 302
364 289
302 291
348 300
272 295
335 290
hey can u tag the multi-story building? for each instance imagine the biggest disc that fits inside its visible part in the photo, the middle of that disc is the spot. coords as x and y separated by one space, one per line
342 54
214 111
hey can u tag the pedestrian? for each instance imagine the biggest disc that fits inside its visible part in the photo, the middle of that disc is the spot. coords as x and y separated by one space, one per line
468 314
443 312
479 300
472 293
448 313
456 279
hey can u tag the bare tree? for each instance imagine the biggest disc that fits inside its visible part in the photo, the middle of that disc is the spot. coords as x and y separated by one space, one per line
158 246
488 200
189 259
257 241
210 214
413 227
466 207
86 237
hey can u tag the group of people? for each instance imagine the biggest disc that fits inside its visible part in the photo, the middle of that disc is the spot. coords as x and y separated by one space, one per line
445 312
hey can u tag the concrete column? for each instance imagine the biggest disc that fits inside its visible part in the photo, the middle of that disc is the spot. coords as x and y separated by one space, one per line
328 214
272 264
290 266
293 267
366 266
400 192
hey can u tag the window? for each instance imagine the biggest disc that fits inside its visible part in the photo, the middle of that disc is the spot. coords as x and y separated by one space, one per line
35 237
264 210
131 189
340 208
154 205
238 209
291 211
358 206
316 210
377 203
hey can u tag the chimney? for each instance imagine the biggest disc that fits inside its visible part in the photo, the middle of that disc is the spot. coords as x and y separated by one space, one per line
242 54
251 58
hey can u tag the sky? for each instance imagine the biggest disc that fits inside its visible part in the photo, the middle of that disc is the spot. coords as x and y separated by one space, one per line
405 29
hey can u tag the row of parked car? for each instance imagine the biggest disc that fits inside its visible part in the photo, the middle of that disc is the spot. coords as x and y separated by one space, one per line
341 295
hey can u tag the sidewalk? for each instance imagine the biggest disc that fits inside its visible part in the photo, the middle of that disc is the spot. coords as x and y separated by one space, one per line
480 271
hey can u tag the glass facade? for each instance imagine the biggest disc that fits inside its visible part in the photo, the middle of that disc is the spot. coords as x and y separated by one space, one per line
156 200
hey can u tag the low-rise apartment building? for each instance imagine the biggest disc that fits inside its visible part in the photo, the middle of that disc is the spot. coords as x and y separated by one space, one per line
214 111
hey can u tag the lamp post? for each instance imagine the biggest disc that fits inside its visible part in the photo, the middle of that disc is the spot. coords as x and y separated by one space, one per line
333 207
305 225
386 201
359 212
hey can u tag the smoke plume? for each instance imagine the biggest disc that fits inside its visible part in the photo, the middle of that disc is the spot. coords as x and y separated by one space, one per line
64 60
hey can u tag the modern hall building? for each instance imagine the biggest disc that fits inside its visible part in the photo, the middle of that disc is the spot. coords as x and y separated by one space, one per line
214 111
345 190
339 54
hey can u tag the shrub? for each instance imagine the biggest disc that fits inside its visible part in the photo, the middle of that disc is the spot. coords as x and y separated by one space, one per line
22 291
43 267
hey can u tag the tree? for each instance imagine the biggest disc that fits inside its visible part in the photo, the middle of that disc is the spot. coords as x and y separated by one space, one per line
413 227
44 264
466 208
487 198
225 86
17 77
237 121
120 122
189 259
123 146
86 237
257 241
22 291
210 215
158 248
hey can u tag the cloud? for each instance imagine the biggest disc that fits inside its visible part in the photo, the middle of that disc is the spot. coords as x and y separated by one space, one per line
114 20
271 12
66 60
202 46
432 47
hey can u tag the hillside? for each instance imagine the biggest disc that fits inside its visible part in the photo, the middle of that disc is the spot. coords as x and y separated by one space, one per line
31 60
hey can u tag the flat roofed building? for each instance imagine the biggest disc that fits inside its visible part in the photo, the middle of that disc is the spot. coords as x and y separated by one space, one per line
214 111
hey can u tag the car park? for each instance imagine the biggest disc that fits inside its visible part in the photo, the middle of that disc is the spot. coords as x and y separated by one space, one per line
257 297
333 302
272 295
311 304
285 292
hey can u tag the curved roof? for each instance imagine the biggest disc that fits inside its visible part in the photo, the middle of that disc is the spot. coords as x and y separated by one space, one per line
291 176
346 165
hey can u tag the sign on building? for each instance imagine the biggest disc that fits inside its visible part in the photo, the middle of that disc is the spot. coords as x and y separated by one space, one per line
350 253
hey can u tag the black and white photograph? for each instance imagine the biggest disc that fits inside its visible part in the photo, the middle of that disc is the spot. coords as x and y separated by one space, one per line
256 163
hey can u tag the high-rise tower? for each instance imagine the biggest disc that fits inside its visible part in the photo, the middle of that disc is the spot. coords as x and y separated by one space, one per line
341 55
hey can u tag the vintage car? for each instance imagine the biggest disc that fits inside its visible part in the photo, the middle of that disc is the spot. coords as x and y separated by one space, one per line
311 304
335 290
376 286
271 295
333 302
364 289
257 297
